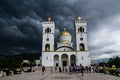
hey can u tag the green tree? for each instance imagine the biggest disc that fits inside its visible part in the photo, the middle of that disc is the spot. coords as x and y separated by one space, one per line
114 61
32 63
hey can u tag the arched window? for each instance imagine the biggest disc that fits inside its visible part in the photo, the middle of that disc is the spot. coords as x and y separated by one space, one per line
81 39
45 30
83 29
80 29
82 47
47 47
48 30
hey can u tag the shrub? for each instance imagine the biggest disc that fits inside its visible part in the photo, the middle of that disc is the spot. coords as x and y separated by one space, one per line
112 71
101 71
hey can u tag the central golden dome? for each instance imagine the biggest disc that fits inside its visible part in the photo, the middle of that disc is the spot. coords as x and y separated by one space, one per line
65 33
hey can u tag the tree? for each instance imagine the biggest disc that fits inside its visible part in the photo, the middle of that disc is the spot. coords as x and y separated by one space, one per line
32 63
114 61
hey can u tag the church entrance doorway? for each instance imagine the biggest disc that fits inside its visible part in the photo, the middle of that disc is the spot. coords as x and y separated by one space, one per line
64 63
64 60
56 60
72 60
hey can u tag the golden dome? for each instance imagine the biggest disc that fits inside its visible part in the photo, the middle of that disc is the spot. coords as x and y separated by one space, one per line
65 33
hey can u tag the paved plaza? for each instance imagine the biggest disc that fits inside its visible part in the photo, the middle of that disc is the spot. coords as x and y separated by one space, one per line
37 75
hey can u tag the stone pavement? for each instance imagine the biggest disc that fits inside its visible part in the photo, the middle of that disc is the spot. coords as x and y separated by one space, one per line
37 75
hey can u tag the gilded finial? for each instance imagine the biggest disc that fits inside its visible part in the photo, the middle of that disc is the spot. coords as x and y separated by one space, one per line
49 19
64 29
79 18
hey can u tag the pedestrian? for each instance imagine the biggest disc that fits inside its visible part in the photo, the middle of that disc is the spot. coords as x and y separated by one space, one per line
66 70
55 68
104 68
60 69
90 69
63 69
43 70
70 70
82 69
87 69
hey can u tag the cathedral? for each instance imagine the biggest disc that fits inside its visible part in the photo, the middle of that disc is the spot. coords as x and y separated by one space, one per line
65 54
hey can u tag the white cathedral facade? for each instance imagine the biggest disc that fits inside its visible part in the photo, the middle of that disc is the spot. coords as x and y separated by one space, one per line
65 55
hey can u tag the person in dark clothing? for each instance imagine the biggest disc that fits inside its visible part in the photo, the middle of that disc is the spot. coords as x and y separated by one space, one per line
60 69
55 69
63 69
43 69
89 69
70 70
82 69
104 68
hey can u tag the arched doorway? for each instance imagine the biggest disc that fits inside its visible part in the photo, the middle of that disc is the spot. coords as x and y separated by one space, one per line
64 59
82 47
56 60
47 47
73 60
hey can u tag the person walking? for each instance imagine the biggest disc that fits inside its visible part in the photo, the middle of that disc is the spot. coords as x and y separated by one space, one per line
82 69
104 68
43 70
55 68
90 69
60 69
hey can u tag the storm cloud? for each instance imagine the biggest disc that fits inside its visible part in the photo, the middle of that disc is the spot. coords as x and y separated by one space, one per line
21 30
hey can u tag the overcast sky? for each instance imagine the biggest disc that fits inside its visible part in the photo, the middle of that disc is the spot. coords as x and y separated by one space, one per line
21 30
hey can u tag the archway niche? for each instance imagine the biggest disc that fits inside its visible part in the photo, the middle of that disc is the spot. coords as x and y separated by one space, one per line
56 60
73 60
64 60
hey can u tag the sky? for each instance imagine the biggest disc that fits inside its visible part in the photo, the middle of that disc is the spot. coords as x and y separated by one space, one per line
21 29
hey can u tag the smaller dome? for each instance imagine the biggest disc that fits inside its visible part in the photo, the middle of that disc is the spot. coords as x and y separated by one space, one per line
66 33
65 37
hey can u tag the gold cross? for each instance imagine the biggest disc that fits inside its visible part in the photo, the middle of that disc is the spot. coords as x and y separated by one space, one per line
79 18
49 19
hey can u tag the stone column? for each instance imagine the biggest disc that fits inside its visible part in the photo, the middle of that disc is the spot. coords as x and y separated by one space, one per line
60 60
68 60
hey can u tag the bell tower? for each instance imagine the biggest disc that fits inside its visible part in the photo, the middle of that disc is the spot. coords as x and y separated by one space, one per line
48 35
81 34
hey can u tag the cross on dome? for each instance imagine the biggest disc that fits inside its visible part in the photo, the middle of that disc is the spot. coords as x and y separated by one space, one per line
79 18
64 29
49 19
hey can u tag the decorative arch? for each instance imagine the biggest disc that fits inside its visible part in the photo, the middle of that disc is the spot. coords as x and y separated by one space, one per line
82 47
45 30
81 29
64 59
72 60
56 60
78 29
48 30
47 47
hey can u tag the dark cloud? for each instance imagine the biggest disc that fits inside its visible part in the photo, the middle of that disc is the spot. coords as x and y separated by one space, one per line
21 30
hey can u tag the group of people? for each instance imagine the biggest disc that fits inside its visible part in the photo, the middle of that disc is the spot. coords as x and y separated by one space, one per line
72 69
